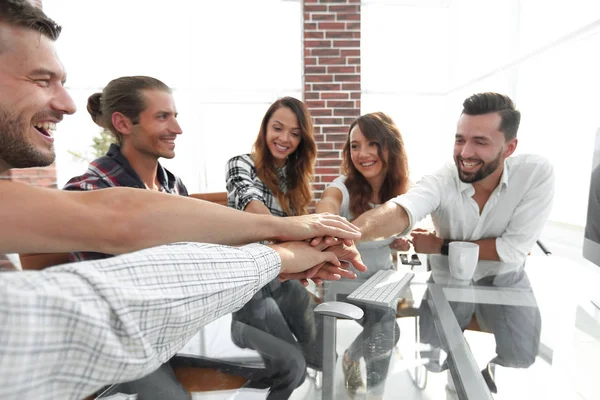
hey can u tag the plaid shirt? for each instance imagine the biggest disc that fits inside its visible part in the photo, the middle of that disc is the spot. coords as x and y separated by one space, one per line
69 330
112 170
244 185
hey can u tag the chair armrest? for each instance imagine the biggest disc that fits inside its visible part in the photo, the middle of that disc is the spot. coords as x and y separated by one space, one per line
37 261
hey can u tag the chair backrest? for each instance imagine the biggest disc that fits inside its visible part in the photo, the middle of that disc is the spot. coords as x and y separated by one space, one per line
213 197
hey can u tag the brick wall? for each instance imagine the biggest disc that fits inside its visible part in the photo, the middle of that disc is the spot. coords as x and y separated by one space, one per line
43 177
331 78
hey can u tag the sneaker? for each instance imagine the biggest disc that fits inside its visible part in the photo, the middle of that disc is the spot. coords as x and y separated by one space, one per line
352 378
488 376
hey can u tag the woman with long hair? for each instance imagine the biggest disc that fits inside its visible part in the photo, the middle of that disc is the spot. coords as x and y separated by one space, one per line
374 170
278 322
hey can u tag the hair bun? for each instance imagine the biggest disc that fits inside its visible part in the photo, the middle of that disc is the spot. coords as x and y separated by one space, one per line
94 107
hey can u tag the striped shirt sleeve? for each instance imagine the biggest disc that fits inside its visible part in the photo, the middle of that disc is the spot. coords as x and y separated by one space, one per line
69 330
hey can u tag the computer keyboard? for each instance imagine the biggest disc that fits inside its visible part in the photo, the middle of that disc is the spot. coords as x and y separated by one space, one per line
383 288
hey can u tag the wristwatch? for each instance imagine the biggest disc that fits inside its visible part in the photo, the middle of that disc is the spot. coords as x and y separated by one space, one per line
444 249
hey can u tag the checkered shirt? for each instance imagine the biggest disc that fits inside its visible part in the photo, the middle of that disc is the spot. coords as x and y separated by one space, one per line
244 185
69 330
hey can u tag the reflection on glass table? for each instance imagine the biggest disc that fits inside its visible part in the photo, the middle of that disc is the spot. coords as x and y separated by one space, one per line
525 335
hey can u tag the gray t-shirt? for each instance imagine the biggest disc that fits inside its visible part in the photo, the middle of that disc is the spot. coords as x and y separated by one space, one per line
376 255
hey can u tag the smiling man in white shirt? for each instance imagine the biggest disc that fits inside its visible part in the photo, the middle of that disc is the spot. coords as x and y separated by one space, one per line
489 197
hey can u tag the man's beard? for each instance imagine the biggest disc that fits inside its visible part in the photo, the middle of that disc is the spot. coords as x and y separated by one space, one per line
15 151
483 172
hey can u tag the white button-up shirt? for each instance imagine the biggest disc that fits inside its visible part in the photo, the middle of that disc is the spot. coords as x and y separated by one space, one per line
515 213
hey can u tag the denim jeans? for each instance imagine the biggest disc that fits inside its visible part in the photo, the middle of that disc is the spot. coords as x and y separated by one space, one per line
279 323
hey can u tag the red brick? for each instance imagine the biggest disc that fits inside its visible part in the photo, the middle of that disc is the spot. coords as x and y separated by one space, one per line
314 35
325 52
318 138
315 70
314 8
328 121
353 26
329 163
324 146
344 9
349 120
351 86
317 43
310 61
347 112
340 104
322 17
354 95
337 137
353 60
332 60
328 178
347 78
346 43
328 26
318 78
338 145
312 96
327 96
317 131
310 26
334 129
327 171
336 69
319 187
328 154
347 17
320 112
342 35
326 86
315 104
350 52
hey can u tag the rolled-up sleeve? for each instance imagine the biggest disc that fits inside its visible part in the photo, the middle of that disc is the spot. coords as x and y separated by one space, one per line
240 185
420 201
69 330
529 217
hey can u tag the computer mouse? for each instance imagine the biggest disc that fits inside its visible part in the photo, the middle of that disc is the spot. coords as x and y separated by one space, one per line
339 309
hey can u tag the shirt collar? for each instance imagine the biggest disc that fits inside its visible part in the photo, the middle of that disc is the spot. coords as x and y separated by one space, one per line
165 178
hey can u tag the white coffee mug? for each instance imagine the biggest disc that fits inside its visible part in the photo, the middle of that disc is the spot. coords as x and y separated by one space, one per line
462 259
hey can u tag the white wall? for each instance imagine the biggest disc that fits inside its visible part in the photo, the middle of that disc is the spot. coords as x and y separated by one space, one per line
422 59
226 61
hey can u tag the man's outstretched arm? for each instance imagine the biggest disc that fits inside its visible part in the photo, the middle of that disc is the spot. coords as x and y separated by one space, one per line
120 220
118 319
382 222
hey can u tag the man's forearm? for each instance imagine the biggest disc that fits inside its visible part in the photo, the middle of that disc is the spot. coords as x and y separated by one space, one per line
120 317
119 220
382 222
